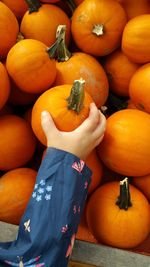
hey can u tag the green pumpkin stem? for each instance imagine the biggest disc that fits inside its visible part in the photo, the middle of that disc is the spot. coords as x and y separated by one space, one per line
76 98
71 5
33 5
59 49
124 200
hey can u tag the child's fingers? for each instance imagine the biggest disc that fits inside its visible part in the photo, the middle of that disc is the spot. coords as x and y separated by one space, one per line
100 129
47 124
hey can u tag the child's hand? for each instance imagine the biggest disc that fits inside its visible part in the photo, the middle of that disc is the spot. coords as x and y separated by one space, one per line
82 140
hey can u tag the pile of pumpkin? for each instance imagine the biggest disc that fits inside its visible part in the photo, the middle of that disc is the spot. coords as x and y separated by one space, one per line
50 49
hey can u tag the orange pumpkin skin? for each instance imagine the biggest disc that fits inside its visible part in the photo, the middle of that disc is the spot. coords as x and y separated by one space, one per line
143 184
98 12
94 163
18 7
42 25
114 226
77 2
9 29
87 67
136 8
139 88
119 70
54 101
17 142
136 39
27 60
126 145
4 86
16 187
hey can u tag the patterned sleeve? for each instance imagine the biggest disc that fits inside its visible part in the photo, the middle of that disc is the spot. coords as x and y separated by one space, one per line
48 227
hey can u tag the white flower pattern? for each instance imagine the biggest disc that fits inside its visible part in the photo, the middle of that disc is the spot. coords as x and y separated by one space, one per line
42 191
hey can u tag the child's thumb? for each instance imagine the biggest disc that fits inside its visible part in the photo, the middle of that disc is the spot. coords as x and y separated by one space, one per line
47 124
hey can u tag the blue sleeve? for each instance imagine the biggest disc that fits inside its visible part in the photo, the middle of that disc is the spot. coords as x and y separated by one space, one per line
48 227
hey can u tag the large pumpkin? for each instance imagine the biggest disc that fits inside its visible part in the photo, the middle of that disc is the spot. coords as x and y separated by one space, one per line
4 86
29 65
139 88
9 30
136 39
67 106
17 142
126 145
96 28
117 219
16 187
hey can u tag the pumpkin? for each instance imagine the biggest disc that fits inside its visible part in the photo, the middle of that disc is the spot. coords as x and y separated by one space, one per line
77 2
4 86
67 104
112 219
41 25
30 67
126 145
49 1
139 88
17 142
136 39
18 7
72 66
16 187
95 27
143 184
94 163
135 8
119 70
130 104
9 30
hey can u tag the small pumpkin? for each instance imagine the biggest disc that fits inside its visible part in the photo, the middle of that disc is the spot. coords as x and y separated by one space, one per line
96 29
9 30
135 8
30 67
119 70
139 88
16 187
126 145
143 184
112 219
67 104
4 86
72 66
18 7
17 142
136 39
42 24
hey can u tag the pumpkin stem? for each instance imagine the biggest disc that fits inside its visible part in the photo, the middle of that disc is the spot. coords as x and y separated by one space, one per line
33 5
76 98
124 200
71 5
98 29
59 49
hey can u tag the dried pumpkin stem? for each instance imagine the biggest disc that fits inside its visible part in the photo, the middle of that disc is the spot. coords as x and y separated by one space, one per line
76 98
124 200
33 5
59 49
98 29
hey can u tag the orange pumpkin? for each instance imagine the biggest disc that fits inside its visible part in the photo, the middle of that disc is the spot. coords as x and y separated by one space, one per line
119 70
4 86
136 39
17 142
73 66
126 145
95 165
16 187
112 219
77 2
29 65
131 104
67 106
139 88
9 30
49 1
18 7
42 24
135 8
143 184
96 28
